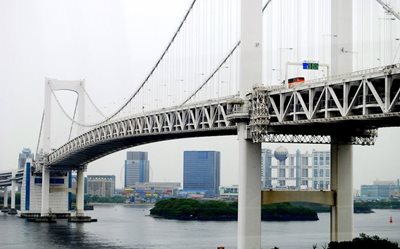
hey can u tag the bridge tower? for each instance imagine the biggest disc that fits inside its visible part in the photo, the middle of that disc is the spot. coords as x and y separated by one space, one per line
249 207
51 86
36 197
341 148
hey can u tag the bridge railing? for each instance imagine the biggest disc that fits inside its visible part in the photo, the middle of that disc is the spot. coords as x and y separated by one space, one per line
355 74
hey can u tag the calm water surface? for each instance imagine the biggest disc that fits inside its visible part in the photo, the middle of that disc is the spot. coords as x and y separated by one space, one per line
129 227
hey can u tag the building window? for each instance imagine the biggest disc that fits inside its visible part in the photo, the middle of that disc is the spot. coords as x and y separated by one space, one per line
321 159
291 161
291 172
327 173
321 185
304 173
315 185
321 173
281 172
305 161
315 160
315 173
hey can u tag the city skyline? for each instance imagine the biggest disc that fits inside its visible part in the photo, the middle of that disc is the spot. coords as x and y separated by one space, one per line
78 46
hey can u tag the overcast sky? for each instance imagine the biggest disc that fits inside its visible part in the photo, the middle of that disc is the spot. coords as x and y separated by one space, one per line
112 45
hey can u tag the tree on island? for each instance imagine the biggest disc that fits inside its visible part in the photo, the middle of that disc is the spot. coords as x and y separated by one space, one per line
189 209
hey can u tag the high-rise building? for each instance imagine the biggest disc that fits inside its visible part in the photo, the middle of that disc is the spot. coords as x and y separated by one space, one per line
266 170
321 169
25 154
101 185
282 169
137 168
201 172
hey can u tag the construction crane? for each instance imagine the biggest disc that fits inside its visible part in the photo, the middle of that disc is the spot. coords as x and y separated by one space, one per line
389 9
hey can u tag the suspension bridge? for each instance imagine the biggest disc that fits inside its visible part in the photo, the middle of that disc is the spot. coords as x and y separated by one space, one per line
209 82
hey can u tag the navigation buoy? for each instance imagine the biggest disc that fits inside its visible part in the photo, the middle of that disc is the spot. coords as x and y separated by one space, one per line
390 220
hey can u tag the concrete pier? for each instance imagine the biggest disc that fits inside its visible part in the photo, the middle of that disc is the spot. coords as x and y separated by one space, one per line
249 207
342 184
79 216
80 195
13 210
5 201
44 211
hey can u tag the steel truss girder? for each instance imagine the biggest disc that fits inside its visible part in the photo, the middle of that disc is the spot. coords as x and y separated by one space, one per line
364 95
197 117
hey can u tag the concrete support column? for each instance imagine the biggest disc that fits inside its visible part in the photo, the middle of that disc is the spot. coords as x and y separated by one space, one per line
80 188
249 209
13 185
342 183
12 209
44 211
5 197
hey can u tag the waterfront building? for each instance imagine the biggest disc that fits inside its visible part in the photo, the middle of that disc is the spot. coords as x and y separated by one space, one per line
137 168
25 154
321 169
229 192
284 170
201 172
155 190
380 190
101 185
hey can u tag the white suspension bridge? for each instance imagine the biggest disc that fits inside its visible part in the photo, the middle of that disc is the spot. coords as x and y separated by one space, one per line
209 82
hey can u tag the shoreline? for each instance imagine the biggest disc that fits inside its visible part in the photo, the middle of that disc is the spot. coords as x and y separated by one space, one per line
121 204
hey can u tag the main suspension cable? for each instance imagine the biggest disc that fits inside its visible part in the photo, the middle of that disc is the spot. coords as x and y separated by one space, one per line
72 123
141 85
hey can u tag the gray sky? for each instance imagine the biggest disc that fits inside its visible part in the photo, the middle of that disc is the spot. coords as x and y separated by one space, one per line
112 45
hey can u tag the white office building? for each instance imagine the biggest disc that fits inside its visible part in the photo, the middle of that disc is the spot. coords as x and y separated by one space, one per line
284 170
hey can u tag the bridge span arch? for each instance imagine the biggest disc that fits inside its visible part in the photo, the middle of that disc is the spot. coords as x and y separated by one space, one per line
92 152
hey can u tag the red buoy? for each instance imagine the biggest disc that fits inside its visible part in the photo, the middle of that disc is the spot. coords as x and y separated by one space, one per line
390 220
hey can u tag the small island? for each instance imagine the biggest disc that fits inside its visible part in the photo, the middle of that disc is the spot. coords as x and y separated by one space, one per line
189 209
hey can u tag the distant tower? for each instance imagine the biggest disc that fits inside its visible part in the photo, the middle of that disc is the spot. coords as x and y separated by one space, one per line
266 163
281 154
25 154
298 169
137 168
201 172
